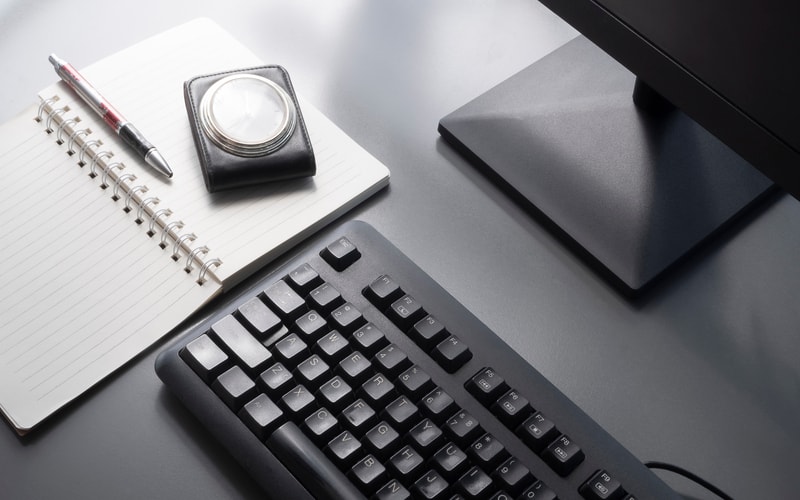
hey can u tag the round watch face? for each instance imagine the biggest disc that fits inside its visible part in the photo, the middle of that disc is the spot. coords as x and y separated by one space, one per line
247 115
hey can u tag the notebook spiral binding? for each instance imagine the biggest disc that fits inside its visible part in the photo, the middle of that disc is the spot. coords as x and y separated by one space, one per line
68 129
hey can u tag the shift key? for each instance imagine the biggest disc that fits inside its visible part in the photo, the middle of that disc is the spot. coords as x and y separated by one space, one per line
241 344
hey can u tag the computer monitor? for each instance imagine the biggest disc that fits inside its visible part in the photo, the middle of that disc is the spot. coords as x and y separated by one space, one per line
635 180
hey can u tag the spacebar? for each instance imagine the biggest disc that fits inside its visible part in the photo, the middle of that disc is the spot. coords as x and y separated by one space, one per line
309 465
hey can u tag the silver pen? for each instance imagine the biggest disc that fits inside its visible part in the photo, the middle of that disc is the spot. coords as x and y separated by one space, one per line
111 116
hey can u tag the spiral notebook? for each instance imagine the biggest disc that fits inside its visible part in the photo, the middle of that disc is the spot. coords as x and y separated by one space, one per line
101 255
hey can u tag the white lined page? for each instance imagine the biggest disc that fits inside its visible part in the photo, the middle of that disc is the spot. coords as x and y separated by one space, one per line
85 289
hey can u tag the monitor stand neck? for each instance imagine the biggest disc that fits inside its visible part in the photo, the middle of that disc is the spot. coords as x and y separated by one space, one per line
648 100
632 191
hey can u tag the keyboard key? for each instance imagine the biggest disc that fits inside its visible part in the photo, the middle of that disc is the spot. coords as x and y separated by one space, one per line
284 301
393 490
488 452
369 339
314 471
368 473
382 440
262 416
344 449
298 402
356 368
340 254
291 349
312 371
539 491
487 386
475 484
512 409
335 394
276 379
426 436
346 318
358 417
234 387
405 463
303 279
378 391
451 353
563 455
401 414
438 405
451 461
428 332
383 291
325 298
601 486
414 382
333 346
430 486
258 318
241 344
205 358
537 431
464 429
311 325
405 311
512 476
391 360
321 426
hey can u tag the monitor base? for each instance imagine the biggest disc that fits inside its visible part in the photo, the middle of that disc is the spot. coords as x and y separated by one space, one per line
636 190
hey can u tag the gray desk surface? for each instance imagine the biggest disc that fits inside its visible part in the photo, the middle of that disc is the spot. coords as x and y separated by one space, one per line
703 373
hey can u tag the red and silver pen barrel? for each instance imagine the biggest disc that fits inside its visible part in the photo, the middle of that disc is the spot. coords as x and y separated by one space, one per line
89 94
111 116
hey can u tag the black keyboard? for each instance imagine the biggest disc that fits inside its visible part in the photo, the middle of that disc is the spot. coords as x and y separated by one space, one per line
350 373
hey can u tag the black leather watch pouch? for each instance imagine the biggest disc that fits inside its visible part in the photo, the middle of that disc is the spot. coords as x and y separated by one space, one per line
224 170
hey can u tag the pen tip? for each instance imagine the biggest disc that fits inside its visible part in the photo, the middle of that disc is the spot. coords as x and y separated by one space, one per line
155 160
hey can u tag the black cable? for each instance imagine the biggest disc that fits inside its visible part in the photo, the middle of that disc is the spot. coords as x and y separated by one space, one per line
688 475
